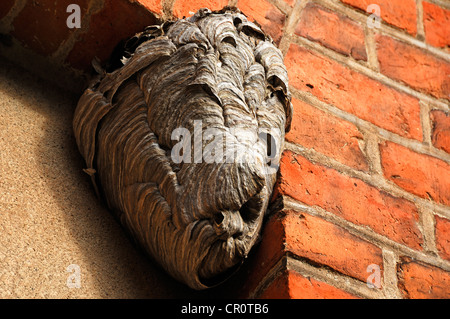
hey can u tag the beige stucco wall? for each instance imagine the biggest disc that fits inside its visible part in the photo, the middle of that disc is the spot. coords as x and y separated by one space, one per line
49 215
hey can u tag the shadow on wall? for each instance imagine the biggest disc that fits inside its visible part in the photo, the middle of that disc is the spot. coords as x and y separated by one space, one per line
69 225
51 217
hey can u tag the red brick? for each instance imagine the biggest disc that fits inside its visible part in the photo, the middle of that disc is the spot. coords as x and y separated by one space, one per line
349 198
422 281
325 243
264 256
436 21
332 30
183 8
267 15
327 134
353 92
5 7
443 237
419 174
42 24
441 130
400 13
278 289
311 238
107 28
155 6
413 66
292 285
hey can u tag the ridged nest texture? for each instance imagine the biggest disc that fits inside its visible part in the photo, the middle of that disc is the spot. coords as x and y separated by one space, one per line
213 72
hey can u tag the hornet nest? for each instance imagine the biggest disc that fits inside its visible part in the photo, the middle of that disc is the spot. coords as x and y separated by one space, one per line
182 136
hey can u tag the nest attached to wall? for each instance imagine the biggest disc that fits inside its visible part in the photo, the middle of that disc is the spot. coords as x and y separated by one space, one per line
197 216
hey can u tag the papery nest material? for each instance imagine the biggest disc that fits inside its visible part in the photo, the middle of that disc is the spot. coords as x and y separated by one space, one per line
215 74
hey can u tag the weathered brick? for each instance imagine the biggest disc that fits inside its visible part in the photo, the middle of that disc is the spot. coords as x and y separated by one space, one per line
419 174
107 28
400 13
292 285
42 24
353 92
441 130
311 238
422 281
349 198
278 289
290 2
264 256
183 8
443 237
267 15
332 30
325 243
414 67
5 7
436 21
327 134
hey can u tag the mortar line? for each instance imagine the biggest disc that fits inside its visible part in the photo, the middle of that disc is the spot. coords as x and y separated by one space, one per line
390 279
233 3
282 6
290 24
271 275
6 23
420 27
428 223
67 45
167 9
442 3
372 56
334 278
425 122
372 153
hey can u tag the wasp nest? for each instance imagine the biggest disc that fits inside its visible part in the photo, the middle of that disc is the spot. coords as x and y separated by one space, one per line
182 138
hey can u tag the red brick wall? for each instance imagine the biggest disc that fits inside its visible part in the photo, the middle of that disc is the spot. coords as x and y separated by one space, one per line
364 185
